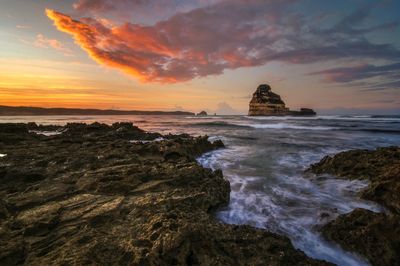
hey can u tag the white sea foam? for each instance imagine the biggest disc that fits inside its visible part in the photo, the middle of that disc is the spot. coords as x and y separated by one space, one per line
47 133
286 126
285 202
2 155
214 138
294 212
147 141
282 117
365 118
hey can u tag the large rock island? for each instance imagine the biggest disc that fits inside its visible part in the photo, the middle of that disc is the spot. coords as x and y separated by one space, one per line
267 103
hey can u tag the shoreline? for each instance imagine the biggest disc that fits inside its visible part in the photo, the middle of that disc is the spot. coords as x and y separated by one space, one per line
89 195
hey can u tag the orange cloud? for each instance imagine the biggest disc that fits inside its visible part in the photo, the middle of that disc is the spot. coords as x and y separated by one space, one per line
167 52
98 41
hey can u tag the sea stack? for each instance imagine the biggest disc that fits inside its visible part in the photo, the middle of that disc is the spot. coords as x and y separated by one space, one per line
202 113
267 103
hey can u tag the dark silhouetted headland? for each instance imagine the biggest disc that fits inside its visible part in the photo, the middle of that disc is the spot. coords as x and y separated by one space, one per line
23 110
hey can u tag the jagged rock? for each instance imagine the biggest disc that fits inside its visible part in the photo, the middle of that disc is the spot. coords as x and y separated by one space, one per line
89 196
202 113
381 167
303 112
374 235
267 103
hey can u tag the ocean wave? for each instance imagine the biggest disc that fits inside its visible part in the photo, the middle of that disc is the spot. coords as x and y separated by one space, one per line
218 124
260 126
204 117
288 126
282 117
364 118
375 130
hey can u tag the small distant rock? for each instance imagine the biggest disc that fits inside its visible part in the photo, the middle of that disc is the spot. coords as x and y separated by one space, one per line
202 113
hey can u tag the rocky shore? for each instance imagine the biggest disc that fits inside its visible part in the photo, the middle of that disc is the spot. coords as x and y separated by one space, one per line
376 236
116 195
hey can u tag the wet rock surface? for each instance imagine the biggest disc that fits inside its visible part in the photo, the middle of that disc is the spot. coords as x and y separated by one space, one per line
111 195
381 167
374 235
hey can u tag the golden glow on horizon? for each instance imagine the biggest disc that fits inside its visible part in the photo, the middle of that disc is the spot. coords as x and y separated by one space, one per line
45 83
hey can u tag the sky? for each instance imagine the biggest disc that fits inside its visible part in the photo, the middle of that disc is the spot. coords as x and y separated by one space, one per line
340 56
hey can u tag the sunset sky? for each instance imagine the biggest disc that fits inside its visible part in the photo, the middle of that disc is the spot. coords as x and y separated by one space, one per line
333 56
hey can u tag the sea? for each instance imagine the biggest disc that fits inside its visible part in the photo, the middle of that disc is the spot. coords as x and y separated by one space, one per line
265 161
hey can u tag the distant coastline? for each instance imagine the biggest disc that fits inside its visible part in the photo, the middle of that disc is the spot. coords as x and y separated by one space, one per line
35 111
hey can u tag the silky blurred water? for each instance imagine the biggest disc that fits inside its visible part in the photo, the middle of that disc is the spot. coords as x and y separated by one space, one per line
265 159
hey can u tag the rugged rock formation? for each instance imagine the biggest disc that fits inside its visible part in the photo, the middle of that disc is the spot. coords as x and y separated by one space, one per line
374 235
267 103
116 195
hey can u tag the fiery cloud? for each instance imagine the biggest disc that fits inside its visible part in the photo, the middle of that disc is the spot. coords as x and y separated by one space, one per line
225 35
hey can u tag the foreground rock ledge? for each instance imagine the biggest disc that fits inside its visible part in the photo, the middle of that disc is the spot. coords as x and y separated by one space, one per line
109 195
374 235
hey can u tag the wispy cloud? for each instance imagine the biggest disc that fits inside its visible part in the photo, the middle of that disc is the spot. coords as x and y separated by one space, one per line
23 26
355 73
207 40
44 42
152 10
388 76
